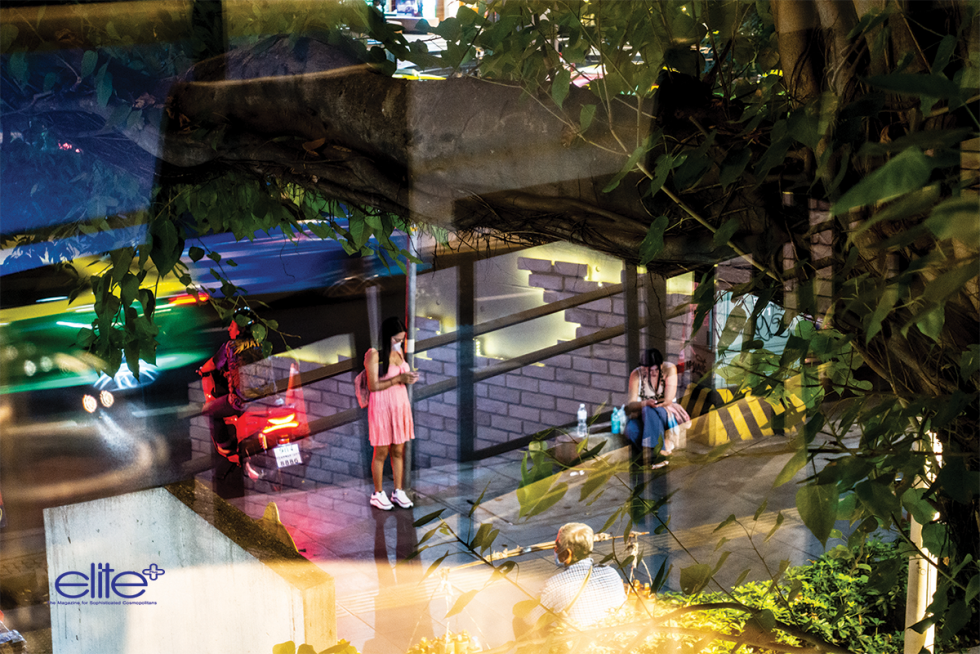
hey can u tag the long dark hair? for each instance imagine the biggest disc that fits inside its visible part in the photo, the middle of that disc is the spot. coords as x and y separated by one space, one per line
389 328
653 358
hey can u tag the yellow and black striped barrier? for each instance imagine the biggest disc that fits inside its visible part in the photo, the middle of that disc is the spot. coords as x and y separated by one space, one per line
718 417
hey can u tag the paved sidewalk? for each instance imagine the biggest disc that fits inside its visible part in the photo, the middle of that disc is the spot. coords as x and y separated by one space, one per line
385 604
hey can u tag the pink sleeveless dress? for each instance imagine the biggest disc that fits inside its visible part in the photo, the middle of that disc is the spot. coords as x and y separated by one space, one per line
390 413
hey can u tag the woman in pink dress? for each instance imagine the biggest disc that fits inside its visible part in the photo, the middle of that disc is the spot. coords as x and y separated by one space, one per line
390 423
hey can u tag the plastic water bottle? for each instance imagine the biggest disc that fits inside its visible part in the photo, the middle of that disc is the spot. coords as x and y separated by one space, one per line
622 419
615 420
583 415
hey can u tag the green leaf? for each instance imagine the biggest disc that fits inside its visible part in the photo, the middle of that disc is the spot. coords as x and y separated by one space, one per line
640 150
957 616
103 90
885 304
918 507
951 282
585 117
794 465
89 60
933 86
561 86
818 509
946 48
461 603
907 172
734 165
956 218
195 253
695 577
973 587
289 647
931 322
8 34
17 64
970 362
653 243
724 233
426 519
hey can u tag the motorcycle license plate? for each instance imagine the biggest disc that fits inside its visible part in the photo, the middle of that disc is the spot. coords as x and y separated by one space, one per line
287 455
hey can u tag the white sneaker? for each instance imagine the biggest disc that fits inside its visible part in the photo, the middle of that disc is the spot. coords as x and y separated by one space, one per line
401 499
380 501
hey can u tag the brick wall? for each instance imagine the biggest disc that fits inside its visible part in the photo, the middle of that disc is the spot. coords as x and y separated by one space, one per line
508 406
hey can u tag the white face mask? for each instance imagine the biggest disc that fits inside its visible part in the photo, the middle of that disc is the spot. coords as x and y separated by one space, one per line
397 347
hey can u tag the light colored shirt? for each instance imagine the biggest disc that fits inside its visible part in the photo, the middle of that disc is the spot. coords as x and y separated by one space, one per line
603 592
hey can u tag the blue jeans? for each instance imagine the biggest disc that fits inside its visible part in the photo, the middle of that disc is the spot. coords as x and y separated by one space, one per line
649 430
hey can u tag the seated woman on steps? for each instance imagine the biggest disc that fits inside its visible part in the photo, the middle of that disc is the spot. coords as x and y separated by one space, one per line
652 408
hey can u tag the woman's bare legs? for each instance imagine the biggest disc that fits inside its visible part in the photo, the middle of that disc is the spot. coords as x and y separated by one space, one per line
397 464
378 466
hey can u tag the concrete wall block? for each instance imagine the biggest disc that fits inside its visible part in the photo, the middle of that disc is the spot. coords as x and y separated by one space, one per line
521 382
618 305
532 427
491 406
588 364
444 354
534 265
608 352
559 389
499 380
327 385
507 424
618 340
560 361
482 418
509 395
444 437
320 409
428 324
452 425
583 331
429 366
603 305
442 409
344 455
609 383
494 436
318 475
573 377
568 406
579 270
580 285
538 400
582 317
546 281
556 418
609 320
481 390
538 372
592 397
433 450
339 401
429 420
524 413
619 369
556 296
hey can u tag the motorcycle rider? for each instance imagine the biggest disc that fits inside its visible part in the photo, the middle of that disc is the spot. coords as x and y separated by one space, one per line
228 397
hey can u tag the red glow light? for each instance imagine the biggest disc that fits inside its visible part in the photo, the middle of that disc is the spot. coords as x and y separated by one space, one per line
187 298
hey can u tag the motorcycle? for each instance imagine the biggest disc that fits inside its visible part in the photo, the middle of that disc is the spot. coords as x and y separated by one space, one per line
262 427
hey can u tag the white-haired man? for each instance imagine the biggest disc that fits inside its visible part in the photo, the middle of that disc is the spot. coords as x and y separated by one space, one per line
583 593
